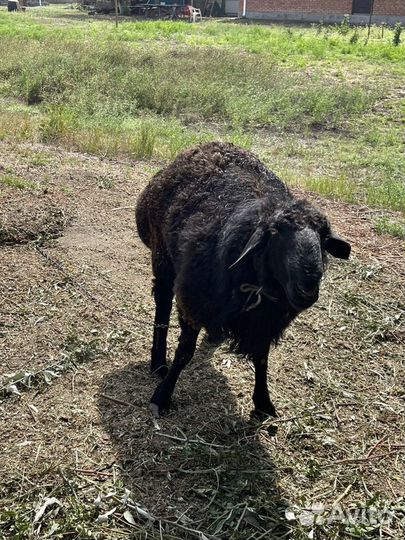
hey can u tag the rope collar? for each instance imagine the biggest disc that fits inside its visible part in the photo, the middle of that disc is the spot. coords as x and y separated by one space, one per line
254 290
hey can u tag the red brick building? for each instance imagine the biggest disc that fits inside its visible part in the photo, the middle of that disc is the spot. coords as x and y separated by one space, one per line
332 11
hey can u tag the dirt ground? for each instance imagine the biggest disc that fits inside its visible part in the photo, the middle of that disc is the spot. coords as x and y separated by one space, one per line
80 455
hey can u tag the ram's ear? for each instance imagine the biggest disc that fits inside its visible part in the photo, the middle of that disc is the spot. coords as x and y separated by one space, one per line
336 246
255 241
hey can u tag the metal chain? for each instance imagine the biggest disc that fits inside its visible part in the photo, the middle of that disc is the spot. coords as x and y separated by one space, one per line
86 292
59 266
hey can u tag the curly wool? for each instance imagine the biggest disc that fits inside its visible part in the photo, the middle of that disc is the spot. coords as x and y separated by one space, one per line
196 216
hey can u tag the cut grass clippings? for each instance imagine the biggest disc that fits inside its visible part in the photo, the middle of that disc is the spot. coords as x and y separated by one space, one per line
81 456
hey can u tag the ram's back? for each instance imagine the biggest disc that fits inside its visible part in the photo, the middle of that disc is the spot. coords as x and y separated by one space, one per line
203 185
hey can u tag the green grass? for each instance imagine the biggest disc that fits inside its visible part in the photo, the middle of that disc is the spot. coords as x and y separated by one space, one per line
345 168
340 188
385 226
321 108
290 45
115 80
15 182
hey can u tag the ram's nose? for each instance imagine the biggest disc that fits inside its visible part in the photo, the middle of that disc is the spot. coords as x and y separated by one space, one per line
307 292
302 296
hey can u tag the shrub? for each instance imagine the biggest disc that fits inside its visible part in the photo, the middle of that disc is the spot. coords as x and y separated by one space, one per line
355 37
57 124
344 26
396 40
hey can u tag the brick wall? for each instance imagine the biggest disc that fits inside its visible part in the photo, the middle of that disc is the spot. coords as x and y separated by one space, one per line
389 7
303 6
337 7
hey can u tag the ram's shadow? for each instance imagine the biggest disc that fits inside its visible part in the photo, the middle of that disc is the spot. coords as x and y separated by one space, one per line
203 465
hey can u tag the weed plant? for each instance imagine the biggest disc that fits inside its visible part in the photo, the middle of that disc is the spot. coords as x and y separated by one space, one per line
396 40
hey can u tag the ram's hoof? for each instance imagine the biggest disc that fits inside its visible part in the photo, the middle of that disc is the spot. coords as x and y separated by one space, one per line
160 402
159 410
272 430
154 409
262 417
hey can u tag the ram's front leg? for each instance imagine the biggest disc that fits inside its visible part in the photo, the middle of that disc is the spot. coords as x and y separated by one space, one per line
261 399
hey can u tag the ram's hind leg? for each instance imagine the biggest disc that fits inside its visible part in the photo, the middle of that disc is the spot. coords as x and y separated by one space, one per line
163 294
161 398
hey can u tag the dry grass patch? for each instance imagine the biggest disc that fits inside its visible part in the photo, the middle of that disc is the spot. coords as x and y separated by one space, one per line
29 216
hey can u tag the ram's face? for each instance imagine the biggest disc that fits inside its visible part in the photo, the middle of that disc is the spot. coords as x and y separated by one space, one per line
297 260
294 257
